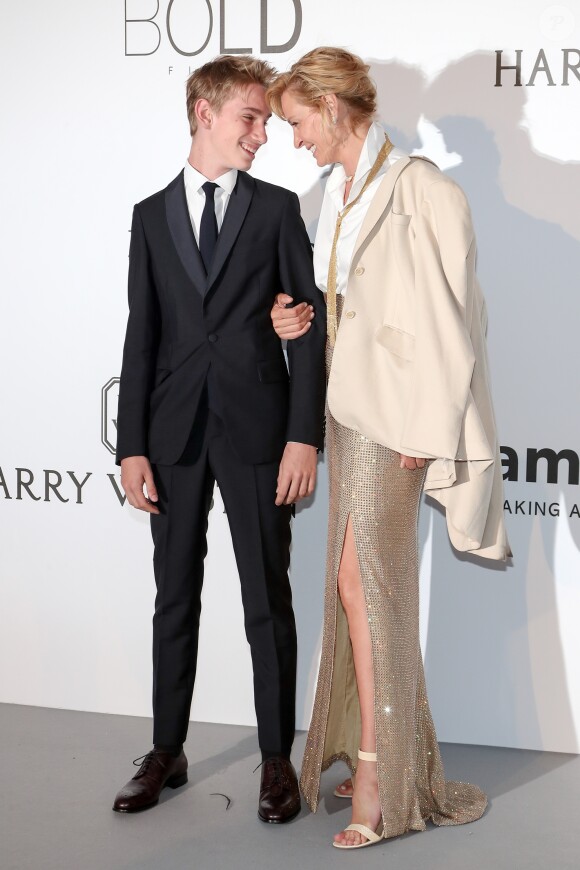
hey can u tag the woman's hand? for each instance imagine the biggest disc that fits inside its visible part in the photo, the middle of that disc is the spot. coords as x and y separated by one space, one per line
412 462
293 322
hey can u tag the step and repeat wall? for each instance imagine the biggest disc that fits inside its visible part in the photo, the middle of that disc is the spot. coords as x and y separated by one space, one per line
94 120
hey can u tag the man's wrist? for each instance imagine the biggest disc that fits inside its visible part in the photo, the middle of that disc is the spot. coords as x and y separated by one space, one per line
302 444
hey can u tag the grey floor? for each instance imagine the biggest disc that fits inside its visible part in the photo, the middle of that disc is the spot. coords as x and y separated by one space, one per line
60 771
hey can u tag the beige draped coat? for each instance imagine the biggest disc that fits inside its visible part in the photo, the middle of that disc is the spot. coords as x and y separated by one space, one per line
410 367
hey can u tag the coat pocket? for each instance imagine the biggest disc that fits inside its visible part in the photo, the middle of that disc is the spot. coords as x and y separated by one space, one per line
402 220
271 371
400 343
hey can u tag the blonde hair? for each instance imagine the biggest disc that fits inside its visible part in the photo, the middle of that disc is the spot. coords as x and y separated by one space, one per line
323 71
218 79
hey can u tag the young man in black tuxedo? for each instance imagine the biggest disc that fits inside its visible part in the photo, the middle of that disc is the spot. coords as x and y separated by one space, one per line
205 396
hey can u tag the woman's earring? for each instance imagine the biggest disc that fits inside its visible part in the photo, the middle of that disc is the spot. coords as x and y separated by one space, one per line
334 120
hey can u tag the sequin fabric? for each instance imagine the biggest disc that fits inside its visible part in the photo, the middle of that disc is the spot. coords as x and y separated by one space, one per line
383 501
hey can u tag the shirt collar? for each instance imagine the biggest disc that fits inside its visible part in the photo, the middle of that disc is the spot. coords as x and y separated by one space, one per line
194 179
375 139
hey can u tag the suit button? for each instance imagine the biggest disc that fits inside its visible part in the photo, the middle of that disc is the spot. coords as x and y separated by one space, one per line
212 337
350 314
359 271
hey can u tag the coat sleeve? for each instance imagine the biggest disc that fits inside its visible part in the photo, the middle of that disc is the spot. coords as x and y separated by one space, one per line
444 355
305 354
140 349
447 401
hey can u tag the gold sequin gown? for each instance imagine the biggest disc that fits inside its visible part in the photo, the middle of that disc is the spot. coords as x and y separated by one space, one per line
367 483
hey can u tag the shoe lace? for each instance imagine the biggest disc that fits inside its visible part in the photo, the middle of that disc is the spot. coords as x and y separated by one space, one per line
144 762
221 794
278 777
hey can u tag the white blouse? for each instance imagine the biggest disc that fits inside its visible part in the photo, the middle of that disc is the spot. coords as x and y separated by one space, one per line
333 203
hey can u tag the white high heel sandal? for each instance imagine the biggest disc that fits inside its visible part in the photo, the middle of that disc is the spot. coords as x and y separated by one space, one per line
372 837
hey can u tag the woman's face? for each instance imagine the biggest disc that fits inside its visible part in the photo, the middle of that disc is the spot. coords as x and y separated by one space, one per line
309 130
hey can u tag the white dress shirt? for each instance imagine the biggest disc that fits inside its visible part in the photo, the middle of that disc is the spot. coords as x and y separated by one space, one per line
333 203
196 196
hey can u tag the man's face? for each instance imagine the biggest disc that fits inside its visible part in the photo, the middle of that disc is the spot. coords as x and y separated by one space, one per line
239 129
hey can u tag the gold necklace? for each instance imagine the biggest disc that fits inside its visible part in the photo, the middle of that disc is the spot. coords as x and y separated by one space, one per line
331 320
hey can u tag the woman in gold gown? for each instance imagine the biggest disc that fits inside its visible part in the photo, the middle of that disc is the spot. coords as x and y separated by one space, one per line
371 708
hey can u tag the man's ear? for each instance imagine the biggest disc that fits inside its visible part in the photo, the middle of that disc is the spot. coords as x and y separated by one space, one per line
204 114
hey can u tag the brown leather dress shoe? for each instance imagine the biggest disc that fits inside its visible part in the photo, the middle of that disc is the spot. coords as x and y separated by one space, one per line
279 795
158 770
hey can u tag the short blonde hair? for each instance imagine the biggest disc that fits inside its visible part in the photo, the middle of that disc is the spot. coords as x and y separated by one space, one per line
323 71
218 79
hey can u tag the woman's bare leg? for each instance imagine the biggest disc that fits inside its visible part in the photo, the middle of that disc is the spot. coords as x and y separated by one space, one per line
365 801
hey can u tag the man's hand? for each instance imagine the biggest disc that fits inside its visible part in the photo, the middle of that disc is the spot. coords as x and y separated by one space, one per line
412 462
290 323
297 475
135 473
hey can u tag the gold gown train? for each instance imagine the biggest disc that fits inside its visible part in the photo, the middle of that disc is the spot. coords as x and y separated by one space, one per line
383 501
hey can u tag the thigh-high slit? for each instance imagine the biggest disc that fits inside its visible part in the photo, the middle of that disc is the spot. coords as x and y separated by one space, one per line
367 484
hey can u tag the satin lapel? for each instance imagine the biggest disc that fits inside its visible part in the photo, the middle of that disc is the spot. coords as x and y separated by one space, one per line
182 233
235 214
380 202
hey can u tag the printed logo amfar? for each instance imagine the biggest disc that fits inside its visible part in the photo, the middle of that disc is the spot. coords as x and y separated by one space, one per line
190 26
109 405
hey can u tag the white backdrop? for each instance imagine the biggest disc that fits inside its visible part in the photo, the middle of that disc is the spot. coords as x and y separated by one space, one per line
90 127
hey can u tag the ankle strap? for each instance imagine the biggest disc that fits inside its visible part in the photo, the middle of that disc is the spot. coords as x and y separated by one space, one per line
367 756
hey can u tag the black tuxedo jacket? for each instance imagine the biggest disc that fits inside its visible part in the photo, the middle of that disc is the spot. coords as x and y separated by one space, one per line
182 321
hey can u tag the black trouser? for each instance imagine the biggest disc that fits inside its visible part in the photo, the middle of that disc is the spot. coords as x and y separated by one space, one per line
261 539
